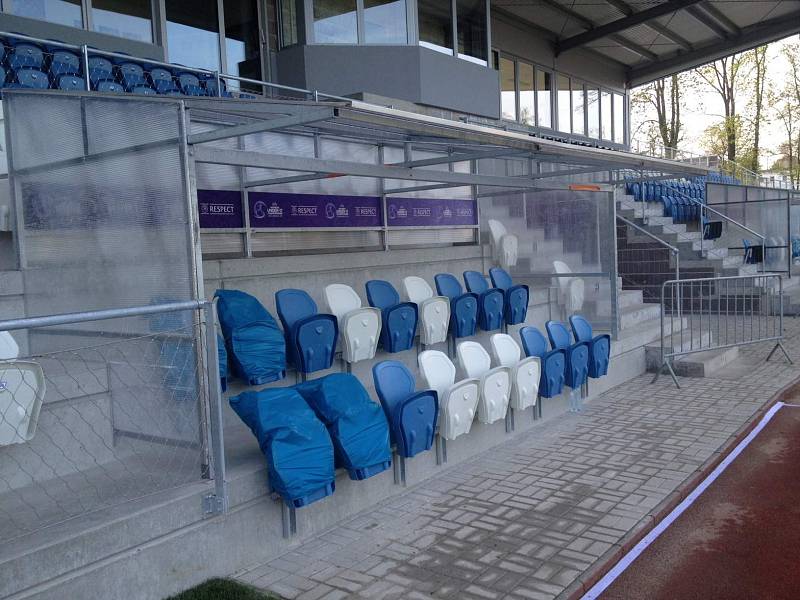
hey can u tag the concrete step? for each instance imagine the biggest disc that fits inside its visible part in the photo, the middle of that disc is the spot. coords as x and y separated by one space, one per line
679 341
704 364
644 333
638 313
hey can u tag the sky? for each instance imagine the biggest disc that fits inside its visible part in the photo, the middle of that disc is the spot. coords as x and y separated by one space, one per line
703 109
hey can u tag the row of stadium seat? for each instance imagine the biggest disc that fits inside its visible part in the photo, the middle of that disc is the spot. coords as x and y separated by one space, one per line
652 191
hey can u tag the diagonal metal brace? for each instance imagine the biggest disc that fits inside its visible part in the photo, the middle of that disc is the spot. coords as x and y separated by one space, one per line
306 116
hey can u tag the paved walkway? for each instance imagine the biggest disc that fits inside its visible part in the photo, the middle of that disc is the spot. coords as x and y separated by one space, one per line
527 519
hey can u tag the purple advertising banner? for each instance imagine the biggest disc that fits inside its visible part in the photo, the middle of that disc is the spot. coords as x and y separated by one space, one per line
269 209
220 209
430 212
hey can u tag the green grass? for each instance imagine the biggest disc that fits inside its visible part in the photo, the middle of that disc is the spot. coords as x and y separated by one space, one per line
222 589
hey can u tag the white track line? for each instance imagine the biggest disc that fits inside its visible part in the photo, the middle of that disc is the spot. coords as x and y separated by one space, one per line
624 563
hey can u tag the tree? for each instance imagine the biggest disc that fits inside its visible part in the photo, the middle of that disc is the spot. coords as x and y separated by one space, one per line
664 96
759 59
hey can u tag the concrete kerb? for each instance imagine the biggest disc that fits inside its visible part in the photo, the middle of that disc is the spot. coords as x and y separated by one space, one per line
585 581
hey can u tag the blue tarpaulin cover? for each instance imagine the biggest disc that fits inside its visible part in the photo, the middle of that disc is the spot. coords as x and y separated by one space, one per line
255 343
357 425
295 442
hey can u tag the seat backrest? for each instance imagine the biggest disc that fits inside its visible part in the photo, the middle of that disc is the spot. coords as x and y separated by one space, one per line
341 299
448 285
417 289
32 78
71 82
131 74
24 54
500 278
575 295
561 268
497 230
294 305
162 80
533 342
100 69
475 281
381 294
189 84
505 350
8 346
64 62
437 370
144 90
558 334
581 328
393 381
473 359
110 86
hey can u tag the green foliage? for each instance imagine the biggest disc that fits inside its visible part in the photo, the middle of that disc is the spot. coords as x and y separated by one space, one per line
222 589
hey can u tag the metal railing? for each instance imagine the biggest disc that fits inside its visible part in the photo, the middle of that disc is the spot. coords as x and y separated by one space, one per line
121 405
714 313
645 268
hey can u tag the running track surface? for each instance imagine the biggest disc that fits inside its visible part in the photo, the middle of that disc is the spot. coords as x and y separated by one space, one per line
741 538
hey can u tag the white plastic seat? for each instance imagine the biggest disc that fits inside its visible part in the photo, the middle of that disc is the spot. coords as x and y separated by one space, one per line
525 373
505 246
494 386
434 311
359 326
571 290
22 390
458 402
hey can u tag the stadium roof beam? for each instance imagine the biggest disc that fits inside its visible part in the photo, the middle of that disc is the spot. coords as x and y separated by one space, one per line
707 15
660 29
610 30
305 116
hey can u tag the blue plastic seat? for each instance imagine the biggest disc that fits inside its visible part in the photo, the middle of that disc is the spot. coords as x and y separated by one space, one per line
25 55
398 319
463 307
189 84
209 83
71 82
310 336
64 62
357 425
100 69
143 90
110 87
599 345
516 296
491 301
412 415
577 367
162 81
131 75
553 361
296 444
3 76
30 78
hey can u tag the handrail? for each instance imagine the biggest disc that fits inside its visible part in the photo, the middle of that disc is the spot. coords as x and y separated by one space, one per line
648 234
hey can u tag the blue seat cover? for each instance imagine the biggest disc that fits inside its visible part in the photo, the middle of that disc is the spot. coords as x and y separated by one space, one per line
255 343
131 75
554 362
412 415
577 366
25 55
491 301
222 357
310 337
599 346
100 69
398 319
110 86
516 296
357 425
162 81
71 82
64 62
144 90
30 78
189 84
463 307
294 441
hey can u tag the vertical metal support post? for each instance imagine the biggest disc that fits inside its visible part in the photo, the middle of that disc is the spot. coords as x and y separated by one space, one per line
219 83
245 199
214 404
384 207
612 219
85 61
288 520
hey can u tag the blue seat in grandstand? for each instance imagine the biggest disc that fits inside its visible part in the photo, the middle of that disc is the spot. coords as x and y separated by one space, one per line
412 415
100 69
310 336
29 78
209 83
110 87
162 81
553 362
577 367
23 55
463 307
3 76
491 301
63 62
130 75
636 191
189 84
70 82
175 92
599 345
357 425
296 444
257 347
398 319
516 296
143 90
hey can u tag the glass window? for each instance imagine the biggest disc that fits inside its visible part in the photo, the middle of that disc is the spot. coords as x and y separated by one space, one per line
605 115
619 119
64 12
436 25
508 90
385 22
288 22
563 104
527 106
242 43
593 112
471 28
129 19
193 33
544 92
335 22
578 124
